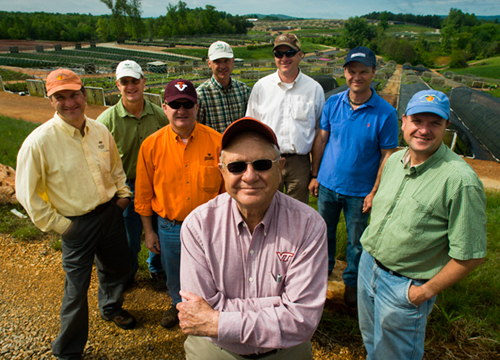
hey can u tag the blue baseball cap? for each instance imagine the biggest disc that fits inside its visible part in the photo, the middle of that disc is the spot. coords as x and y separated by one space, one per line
429 101
361 54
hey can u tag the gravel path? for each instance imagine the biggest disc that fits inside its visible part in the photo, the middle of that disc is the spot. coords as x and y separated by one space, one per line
31 283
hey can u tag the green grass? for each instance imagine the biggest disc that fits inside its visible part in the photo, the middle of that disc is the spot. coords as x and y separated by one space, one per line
8 75
242 52
12 134
471 308
488 68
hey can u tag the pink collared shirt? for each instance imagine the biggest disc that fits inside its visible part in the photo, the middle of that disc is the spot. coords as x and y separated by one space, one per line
270 286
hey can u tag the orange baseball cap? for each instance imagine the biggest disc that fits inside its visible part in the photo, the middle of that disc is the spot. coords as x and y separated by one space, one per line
62 79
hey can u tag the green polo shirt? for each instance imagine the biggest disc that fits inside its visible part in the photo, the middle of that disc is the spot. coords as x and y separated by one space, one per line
425 215
129 132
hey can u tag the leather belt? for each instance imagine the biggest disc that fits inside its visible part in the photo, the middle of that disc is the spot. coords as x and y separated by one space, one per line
288 155
100 208
259 356
392 272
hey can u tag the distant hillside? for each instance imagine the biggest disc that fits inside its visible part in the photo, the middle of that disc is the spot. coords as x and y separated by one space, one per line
278 16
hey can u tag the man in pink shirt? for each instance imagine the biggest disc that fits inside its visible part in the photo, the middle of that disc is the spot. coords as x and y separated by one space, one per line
253 261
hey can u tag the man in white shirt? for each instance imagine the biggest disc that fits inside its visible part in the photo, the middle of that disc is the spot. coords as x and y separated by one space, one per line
291 104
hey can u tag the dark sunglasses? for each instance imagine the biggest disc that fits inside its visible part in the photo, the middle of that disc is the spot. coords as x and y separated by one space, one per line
176 105
125 82
288 53
258 165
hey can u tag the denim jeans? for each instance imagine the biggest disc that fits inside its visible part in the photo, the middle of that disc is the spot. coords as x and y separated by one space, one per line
391 326
133 226
169 235
330 204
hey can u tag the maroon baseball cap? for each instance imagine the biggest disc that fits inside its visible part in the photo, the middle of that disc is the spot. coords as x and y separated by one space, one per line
180 89
248 124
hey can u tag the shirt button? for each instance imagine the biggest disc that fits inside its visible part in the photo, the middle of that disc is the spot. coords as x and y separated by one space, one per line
185 165
188 198
251 279
251 252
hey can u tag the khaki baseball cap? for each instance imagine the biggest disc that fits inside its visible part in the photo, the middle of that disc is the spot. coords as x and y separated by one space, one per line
289 40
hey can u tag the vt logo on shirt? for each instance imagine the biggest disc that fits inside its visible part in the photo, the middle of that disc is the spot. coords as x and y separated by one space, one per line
284 256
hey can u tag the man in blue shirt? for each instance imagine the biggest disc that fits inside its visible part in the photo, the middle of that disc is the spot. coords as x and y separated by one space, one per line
358 132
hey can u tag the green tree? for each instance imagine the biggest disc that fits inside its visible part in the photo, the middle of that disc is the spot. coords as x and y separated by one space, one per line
357 32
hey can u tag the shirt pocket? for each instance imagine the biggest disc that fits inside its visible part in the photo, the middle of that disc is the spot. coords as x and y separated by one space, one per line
301 110
418 214
209 178
104 162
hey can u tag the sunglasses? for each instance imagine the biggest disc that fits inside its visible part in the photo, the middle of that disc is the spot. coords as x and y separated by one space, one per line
288 53
176 105
258 165
125 82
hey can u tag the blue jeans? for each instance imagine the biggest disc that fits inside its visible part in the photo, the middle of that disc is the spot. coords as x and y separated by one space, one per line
391 326
169 235
330 204
133 226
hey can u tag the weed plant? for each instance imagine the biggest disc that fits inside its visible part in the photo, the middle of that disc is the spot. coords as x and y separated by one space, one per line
12 134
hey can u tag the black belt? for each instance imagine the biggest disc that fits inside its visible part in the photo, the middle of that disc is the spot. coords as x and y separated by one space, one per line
259 356
100 208
387 270
287 155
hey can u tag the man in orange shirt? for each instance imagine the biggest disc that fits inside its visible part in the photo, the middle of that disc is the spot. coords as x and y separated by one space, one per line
176 172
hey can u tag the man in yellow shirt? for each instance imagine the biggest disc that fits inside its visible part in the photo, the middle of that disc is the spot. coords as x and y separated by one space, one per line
70 179
176 172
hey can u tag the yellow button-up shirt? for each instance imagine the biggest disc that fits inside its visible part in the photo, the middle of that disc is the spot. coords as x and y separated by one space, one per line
61 173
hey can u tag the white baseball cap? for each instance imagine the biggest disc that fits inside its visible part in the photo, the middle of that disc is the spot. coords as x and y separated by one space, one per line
219 50
128 68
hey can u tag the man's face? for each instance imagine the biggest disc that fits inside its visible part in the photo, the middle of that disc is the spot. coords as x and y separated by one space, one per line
252 190
222 69
132 89
358 77
424 134
69 104
182 120
287 66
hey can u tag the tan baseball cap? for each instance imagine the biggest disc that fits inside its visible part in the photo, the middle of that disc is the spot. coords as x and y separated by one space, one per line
287 39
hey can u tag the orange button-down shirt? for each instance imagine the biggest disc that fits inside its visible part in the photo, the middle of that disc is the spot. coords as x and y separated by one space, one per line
174 178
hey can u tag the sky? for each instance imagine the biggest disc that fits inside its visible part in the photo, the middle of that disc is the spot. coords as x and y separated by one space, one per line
323 9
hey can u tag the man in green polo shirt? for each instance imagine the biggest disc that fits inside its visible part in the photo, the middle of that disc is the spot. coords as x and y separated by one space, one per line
427 231
130 122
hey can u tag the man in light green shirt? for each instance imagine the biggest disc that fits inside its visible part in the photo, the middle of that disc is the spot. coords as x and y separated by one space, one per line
130 122
427 231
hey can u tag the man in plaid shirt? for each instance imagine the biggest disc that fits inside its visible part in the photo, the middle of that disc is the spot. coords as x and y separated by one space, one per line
222 100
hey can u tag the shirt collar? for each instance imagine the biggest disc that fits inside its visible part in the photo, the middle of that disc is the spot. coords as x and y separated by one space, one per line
266 220
122 112
371 102
219 85
421 168
297 79
175 137
69 129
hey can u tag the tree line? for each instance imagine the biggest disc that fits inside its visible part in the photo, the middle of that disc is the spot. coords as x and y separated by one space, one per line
462 36
124 22
433 21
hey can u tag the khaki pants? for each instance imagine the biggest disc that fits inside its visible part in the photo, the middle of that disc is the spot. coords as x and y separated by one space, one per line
295 177
197 348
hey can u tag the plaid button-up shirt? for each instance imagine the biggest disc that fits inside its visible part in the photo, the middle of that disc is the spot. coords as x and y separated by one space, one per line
219 107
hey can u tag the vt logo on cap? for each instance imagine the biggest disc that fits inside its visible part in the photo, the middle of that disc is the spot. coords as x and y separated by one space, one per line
181 86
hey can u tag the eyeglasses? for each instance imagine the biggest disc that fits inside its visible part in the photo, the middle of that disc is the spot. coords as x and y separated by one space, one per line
125 82
237 167
176 105
288 53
